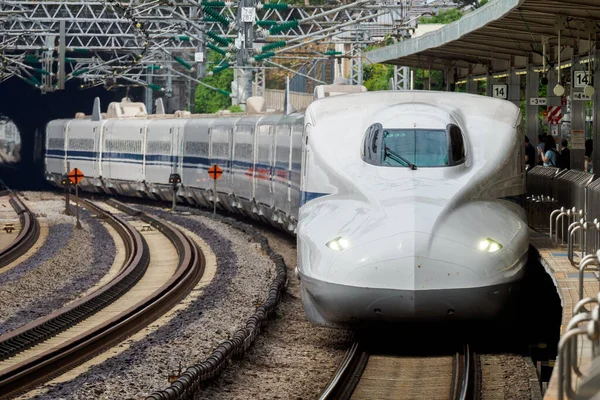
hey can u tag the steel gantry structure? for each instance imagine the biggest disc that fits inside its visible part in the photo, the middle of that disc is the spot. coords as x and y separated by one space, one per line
151 43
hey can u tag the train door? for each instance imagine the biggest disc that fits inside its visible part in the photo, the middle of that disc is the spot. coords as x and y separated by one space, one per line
263 166
281 165
99 136
177 150
305 156
295 165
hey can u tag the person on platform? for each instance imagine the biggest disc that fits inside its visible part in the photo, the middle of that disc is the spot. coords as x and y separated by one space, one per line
549 155
529 153
564 161
540 147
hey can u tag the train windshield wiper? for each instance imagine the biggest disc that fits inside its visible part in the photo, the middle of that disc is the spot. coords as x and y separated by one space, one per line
398 158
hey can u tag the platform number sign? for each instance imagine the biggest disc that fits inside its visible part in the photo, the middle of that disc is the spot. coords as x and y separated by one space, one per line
538 101
500 91
581 79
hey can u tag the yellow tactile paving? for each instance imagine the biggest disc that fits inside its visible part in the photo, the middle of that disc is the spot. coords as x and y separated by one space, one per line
163 263
554 259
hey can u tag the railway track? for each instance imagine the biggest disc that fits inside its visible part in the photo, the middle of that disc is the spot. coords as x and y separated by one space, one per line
27 236
68 337
366 373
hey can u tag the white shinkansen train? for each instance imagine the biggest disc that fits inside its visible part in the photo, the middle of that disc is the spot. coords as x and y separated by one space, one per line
406 205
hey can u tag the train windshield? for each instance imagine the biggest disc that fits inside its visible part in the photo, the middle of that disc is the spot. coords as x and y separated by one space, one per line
422 147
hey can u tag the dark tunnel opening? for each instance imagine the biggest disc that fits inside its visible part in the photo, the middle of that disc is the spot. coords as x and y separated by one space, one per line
30 111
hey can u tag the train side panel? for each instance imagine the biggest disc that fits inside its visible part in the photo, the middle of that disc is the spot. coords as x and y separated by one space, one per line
221 136
243 161
56 149
196 160
162 155
122 155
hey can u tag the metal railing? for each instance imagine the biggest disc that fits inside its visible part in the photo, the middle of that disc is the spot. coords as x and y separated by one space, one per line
568 204
584 325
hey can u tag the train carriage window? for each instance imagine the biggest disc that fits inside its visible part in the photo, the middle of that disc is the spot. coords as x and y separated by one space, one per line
81 144
457 144
159 147
413 147
196 148
56 143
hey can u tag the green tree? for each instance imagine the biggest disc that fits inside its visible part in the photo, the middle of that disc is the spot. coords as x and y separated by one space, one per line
443 17
377 76
208 100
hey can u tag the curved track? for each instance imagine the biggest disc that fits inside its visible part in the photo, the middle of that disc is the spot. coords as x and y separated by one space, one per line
47 364
28 235
363 374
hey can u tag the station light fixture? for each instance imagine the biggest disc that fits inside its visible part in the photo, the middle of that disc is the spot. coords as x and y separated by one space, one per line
489 245
338 244
559 90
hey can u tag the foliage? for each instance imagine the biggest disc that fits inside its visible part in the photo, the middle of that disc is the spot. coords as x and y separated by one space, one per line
443 17
208 100
421 76
377 76
235 108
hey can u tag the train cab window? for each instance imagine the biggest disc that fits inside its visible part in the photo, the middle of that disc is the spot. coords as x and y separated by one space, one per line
413 147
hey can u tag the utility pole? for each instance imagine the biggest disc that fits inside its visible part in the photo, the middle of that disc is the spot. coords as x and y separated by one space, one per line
246 15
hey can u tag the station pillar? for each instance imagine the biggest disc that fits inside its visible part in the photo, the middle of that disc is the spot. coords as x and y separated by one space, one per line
532 90
577 126
488 84
596 122
471 85
513 82
450 85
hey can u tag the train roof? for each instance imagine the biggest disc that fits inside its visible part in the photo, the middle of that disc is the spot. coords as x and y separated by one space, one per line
462 104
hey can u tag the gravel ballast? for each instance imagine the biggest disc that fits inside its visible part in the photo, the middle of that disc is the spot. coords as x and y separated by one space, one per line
241 281
68 264
291 359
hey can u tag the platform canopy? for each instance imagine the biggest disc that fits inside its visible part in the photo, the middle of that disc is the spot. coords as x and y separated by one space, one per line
502 34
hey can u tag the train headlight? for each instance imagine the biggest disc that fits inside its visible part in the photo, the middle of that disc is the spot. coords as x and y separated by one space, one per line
338 244
489 245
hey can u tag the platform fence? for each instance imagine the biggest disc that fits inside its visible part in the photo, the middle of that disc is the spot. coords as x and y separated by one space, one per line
566 203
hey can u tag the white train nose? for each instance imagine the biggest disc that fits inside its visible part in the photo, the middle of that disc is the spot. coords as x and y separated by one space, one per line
406 261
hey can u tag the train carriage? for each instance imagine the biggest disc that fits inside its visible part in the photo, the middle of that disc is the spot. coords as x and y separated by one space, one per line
405 204
122 157
163 155
196 160
56 149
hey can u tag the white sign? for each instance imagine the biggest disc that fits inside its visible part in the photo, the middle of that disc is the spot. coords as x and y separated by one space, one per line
577 139
248 14
538 101
500 91
581 79
199 57
581 96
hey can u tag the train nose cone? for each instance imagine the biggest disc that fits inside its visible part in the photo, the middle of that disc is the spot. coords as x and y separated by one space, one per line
404 261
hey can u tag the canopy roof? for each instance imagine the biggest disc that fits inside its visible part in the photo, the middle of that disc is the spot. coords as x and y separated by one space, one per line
501 34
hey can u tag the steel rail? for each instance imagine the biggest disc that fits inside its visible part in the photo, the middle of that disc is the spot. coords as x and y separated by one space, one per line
71 353
349 373
28 235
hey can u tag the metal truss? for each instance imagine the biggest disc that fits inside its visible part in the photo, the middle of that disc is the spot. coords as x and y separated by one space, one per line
401 79
356 59
151 43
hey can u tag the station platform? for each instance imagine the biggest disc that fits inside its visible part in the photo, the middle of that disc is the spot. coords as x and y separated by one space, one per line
554 259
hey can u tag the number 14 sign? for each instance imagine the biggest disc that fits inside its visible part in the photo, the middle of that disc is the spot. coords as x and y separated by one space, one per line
500 91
